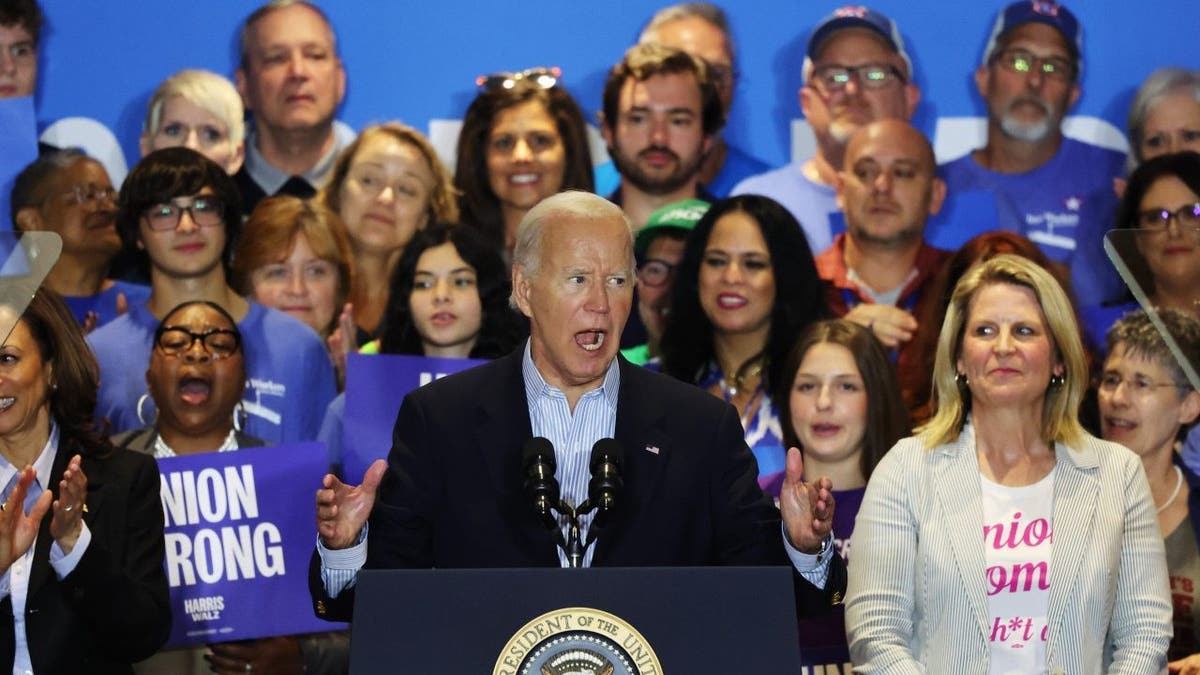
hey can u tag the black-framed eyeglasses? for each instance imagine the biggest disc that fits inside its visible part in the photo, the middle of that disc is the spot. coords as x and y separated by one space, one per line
1023 62
834 78
542 78
1187 216
654 272
220 343
204 210
89 194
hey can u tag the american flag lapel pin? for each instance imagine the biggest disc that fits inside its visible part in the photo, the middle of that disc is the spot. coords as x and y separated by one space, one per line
652 449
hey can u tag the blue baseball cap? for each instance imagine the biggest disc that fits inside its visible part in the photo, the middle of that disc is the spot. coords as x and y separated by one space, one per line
857 16
1046 12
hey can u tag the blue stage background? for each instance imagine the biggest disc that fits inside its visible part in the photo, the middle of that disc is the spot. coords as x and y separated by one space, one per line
417 62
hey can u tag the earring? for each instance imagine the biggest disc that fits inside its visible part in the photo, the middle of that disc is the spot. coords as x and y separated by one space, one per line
239 416
960 379
1057 381
141 417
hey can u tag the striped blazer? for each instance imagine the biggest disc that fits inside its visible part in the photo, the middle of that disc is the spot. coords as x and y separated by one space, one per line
917 598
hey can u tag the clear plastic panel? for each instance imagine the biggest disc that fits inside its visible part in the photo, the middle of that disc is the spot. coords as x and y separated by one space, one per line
1129 250
25 260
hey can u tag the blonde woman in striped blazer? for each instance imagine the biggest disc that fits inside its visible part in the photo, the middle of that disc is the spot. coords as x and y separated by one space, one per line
1004 538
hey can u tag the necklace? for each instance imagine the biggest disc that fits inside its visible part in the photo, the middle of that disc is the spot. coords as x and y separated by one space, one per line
739 379
1174 493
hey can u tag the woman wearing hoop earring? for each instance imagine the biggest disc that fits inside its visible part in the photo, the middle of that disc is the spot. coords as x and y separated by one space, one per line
1003 538
196 378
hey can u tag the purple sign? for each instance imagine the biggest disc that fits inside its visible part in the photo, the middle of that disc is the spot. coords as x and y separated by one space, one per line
240 528
376 384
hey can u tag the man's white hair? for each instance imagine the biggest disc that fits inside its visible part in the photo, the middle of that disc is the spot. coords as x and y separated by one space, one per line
568 205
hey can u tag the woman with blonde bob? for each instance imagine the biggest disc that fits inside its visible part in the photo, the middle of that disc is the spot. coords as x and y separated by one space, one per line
386 186
200 110
1003 537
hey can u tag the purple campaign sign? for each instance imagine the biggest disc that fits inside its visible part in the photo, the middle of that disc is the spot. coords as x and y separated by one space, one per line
240 528
376 384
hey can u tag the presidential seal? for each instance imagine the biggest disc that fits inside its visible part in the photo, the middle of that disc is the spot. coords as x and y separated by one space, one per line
577 641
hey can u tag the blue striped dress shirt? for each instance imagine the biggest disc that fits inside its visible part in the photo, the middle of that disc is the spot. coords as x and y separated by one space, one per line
572 433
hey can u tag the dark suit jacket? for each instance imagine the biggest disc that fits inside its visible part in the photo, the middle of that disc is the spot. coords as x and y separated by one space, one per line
112 609
453 497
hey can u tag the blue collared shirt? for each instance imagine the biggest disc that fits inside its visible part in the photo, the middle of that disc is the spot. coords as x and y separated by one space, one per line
271 179
571 433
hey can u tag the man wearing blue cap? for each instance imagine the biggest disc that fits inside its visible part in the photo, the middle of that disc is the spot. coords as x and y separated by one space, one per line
856 71
1029 177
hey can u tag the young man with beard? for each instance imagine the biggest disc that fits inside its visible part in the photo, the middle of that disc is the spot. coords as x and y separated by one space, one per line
1029 177
702 30
661 111
291 80
876 272
855 71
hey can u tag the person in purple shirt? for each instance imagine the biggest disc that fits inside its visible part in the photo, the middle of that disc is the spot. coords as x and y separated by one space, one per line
182 210
842 408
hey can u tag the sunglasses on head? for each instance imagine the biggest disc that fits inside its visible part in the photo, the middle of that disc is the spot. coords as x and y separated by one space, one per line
542 78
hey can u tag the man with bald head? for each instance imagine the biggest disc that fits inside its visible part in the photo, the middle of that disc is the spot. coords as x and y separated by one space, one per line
876 272
856 71
450 492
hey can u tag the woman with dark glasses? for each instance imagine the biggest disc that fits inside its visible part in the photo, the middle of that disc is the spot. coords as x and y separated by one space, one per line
197 376
523 139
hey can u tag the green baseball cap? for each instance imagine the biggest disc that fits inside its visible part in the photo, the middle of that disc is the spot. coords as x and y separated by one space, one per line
681 215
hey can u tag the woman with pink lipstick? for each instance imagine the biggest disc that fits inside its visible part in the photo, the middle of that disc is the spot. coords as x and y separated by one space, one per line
523 139
1147 404
746 287
387 185
844 412
293 255
1003 538
197 376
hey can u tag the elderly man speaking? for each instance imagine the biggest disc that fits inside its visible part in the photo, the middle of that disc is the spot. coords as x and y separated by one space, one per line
450 493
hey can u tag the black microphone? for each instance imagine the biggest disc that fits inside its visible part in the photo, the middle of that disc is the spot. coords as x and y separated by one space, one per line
606 482
540 484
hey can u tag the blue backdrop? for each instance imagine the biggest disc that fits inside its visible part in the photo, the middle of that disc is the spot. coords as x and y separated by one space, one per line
417 62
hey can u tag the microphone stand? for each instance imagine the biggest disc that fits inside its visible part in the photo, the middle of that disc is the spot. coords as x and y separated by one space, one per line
574 547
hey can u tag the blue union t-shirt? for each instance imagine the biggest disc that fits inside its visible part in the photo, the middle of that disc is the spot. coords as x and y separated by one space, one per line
1049 204
290 377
